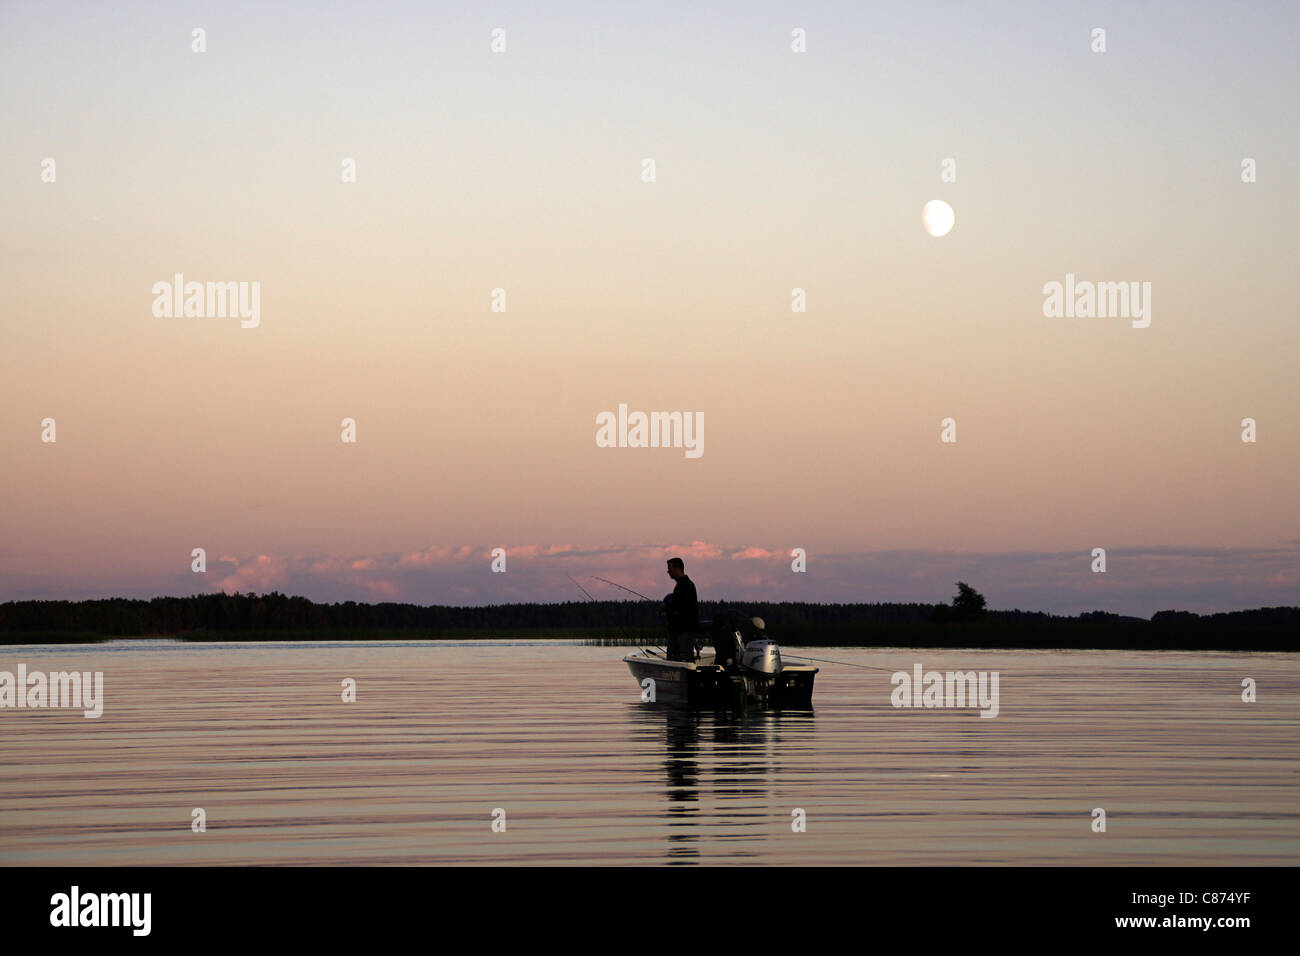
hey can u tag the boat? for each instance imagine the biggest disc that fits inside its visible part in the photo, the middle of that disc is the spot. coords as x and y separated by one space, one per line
753 673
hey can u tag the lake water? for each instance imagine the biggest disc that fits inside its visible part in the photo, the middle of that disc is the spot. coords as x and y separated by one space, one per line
556 736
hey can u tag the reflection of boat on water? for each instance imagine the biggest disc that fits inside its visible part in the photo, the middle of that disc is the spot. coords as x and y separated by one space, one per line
752 673
721 770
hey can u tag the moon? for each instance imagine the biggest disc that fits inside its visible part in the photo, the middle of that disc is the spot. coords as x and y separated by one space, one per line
938 217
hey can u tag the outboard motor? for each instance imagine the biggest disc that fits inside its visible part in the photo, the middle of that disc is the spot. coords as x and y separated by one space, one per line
762 656
739 638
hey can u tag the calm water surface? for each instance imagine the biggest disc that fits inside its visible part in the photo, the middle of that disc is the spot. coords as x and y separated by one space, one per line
556 735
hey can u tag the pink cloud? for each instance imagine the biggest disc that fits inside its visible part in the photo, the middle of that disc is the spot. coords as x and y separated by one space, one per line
430 555
752 552
696 549
262 574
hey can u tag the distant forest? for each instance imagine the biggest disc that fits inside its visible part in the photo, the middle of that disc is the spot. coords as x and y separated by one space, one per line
965 623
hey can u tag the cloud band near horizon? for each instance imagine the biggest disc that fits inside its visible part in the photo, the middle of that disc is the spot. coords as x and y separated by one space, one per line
1139 580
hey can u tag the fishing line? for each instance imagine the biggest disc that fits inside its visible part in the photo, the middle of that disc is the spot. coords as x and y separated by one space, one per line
823 660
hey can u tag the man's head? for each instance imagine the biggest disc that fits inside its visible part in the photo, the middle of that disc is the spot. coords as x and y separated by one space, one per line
676 568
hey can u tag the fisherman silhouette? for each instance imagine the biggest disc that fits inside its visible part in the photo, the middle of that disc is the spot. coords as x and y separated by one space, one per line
682 609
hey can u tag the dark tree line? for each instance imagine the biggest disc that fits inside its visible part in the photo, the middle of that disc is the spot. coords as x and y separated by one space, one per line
964 623
275 611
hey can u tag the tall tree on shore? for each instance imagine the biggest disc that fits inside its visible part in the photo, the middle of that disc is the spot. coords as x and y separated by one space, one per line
967 602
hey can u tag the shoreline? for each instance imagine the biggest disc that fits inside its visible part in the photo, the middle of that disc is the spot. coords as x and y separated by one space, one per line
972 637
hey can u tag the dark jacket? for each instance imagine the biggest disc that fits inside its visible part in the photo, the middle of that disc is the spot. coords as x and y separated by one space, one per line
683 606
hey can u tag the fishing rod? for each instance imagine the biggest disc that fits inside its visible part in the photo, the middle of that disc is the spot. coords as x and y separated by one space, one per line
580 587
621 588
629 591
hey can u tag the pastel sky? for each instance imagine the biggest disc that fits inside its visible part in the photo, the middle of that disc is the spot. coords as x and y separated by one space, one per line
775 170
